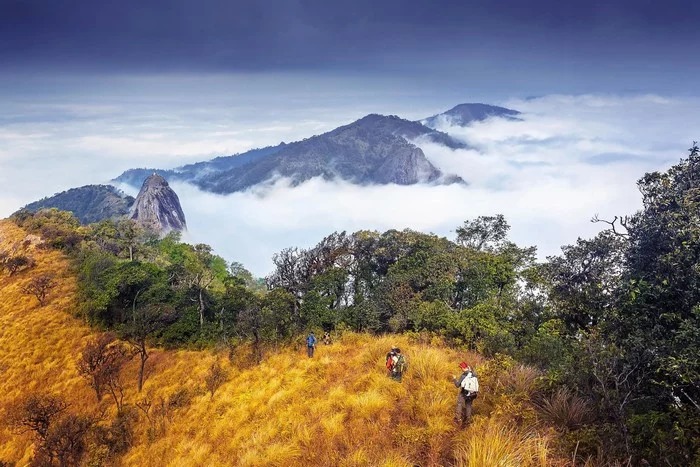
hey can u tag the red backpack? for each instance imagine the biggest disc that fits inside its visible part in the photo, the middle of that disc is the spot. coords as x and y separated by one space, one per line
389 361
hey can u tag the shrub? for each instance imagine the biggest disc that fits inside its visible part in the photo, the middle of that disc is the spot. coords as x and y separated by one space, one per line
65 441
113 439
215 377
35 412
15 263
39 287
521 381
101 363
566 410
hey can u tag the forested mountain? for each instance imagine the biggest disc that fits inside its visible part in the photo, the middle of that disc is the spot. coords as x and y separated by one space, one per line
373 150
90 203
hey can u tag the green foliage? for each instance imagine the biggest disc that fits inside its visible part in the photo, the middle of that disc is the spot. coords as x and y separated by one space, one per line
584 280
90 203
484 232
94 285
660 439
361 317
431 316
58 229
409 281
183 331
547 348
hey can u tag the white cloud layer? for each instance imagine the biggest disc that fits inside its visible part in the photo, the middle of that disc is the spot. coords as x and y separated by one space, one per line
569 158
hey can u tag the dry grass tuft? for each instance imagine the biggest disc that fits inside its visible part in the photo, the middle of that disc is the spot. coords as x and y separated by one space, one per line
493 443
522 379
565 410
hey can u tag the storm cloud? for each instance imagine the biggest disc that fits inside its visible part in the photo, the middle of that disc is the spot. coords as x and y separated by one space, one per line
541 46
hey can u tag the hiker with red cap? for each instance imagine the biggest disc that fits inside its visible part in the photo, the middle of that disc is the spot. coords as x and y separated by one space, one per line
468 386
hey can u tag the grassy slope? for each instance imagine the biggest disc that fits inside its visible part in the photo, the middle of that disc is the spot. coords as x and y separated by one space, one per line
338 408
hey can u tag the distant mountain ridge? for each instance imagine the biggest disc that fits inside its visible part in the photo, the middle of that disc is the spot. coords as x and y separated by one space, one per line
375 149
464 114
193 172
372 150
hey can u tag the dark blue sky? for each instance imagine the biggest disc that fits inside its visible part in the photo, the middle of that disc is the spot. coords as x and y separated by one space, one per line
361 35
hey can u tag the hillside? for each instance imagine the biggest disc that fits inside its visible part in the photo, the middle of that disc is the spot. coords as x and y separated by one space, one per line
89 203
338 408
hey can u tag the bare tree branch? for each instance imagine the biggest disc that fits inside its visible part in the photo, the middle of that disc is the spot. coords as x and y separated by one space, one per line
623 221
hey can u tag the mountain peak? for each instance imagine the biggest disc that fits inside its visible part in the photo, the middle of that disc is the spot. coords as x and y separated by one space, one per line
157 206
464 114
155 181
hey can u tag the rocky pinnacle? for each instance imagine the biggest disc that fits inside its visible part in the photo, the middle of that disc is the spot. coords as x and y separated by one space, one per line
157 207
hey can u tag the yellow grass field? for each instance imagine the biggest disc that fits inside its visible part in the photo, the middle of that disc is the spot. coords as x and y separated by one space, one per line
336 409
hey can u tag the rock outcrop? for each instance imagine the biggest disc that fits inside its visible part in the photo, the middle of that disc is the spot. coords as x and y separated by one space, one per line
157 206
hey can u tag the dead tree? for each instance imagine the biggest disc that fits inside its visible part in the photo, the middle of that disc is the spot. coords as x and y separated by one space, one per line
623 221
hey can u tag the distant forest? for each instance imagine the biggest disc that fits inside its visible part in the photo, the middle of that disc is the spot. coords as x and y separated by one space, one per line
613 322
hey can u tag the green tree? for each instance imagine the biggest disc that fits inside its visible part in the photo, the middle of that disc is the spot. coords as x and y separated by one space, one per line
483 233
585 280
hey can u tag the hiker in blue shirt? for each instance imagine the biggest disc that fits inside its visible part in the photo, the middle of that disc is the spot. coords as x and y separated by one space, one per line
310 344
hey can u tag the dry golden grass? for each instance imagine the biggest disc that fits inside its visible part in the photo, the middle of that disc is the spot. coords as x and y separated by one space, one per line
492 443
37 345
336 409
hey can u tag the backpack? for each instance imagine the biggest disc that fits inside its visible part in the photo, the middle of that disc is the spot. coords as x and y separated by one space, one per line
401 364
389 361
470 383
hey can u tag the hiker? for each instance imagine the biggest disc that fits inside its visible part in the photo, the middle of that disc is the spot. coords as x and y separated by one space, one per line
327 338
398 364
468 385
310 344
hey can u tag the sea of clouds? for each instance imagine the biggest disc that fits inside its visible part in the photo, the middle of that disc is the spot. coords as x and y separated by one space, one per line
566 159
